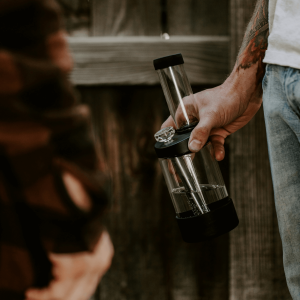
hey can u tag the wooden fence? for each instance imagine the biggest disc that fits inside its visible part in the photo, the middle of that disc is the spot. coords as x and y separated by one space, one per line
113 44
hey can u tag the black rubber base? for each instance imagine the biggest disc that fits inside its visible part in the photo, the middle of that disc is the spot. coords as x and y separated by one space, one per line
221 219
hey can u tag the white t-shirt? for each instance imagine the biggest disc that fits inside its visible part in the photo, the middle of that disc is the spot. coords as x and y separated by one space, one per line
284 39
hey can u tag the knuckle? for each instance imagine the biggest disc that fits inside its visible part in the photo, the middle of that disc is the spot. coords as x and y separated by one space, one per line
107 265
216 139
108 261
203 131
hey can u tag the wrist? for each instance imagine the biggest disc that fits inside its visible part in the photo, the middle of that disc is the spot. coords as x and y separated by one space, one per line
243 83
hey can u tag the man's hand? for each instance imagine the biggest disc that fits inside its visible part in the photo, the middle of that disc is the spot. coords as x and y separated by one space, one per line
230 106
76 275
223 110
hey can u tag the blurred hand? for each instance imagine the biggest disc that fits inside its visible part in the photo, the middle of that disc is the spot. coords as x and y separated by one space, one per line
221 111
76 275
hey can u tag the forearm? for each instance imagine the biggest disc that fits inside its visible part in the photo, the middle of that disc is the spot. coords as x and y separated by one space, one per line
230 106
249 69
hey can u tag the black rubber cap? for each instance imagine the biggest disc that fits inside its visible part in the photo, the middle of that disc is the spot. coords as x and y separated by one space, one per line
221 219
168 61
177 147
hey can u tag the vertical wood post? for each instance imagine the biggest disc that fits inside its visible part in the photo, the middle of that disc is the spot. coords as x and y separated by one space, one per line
151 260
201 17
256 270
125 17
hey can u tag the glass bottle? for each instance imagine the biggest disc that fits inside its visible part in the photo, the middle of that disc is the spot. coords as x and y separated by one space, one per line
195 183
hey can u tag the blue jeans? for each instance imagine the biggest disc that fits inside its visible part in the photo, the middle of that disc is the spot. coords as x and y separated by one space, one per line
281 101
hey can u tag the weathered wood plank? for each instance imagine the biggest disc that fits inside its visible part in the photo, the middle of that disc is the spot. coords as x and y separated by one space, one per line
256 270
126 17
197 17
240 14
203 18
128 60
151 260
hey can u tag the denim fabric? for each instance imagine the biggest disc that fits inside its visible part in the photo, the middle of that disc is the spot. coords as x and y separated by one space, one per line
281 101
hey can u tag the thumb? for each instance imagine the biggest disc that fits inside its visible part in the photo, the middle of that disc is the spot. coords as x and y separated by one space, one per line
200 134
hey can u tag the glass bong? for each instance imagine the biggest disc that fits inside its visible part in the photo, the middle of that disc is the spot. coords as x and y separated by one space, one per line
194 180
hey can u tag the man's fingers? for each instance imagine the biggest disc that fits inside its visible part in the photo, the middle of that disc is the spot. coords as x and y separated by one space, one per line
77 274
200 135
84 289
218 145
56 290
168 122
103 252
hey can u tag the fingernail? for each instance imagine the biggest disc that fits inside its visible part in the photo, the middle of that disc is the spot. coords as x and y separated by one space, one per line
195 145
219 155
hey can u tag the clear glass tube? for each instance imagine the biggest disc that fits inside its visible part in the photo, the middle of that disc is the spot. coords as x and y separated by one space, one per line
194 181
179 95
187 176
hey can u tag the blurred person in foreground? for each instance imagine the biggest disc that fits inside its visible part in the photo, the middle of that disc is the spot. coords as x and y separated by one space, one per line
52 182
268 65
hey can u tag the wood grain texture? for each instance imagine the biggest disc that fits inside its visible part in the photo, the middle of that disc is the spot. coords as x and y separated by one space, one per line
197 17
240 15
151 260
128 61
256 270
126 17
77 20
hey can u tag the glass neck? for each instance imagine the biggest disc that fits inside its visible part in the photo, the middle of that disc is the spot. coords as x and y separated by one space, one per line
178 94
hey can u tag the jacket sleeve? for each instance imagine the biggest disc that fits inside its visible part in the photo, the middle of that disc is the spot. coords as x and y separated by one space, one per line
44 131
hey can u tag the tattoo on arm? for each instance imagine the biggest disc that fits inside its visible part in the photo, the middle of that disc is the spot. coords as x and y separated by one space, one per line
255 41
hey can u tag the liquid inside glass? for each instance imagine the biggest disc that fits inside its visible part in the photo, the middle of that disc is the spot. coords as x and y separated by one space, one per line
211 193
